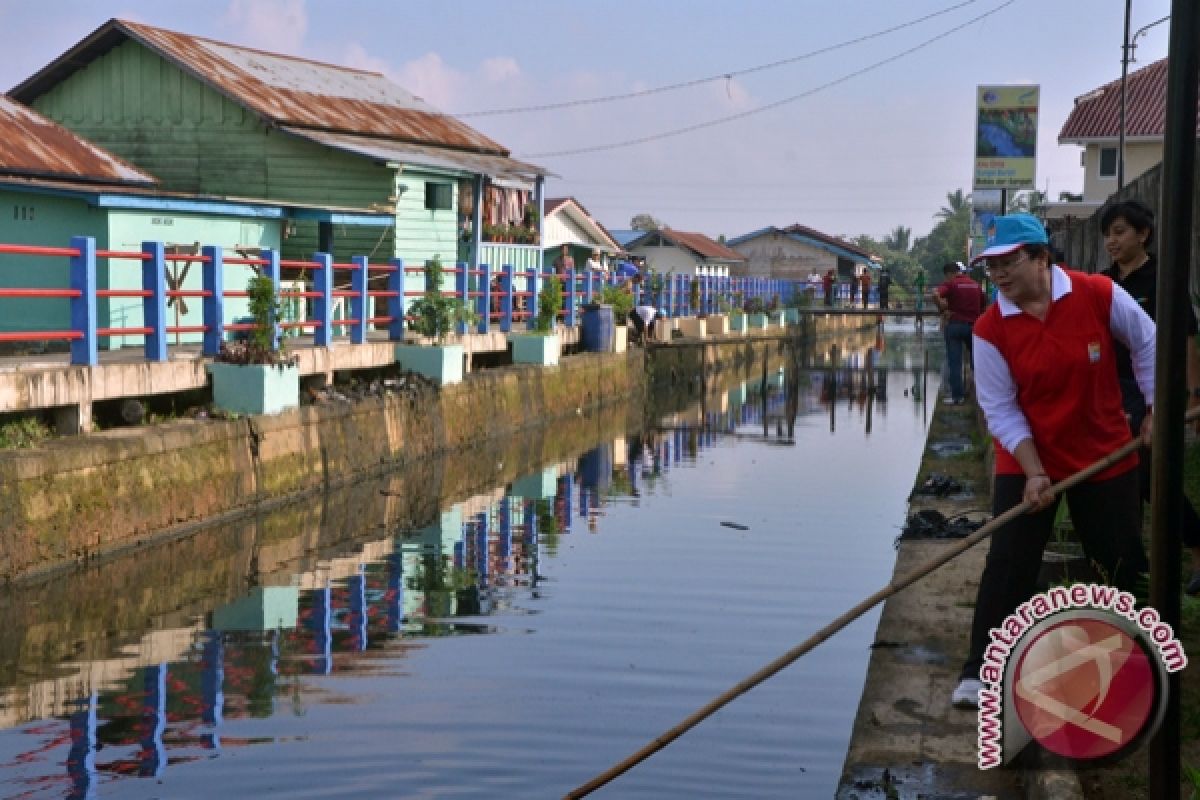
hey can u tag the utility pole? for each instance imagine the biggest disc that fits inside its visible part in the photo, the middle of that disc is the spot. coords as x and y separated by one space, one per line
1125 59
1167 449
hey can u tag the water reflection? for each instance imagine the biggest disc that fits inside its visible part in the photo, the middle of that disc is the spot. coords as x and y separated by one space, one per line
179 695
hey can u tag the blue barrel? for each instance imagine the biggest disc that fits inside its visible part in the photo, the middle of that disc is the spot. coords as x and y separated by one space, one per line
596 333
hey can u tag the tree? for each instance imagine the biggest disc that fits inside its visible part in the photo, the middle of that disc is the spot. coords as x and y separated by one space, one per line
900 239
645 222
1032 202
957 203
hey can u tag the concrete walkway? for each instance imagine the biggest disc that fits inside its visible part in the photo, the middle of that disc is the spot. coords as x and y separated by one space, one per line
908 741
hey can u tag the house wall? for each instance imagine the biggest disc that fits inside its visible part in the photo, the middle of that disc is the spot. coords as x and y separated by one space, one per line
148 111
668 259
774 255
50 221
128 229
1139 157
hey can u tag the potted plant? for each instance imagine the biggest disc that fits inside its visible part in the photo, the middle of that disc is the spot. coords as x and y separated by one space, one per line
718 324
434 315
694 326
541 345
253 374
757 312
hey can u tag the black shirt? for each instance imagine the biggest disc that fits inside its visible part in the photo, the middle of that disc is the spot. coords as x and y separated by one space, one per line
1142 285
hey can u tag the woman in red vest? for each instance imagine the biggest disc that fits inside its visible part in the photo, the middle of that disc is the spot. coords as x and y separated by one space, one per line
1046 379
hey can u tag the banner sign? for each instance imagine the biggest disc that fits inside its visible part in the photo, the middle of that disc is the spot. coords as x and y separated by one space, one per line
1006 137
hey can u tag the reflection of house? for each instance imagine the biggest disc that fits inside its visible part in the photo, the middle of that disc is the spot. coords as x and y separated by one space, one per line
568 222
667 250
205 116
792 253
1095 124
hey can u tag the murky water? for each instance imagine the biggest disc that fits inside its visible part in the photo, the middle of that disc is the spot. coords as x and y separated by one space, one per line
512 644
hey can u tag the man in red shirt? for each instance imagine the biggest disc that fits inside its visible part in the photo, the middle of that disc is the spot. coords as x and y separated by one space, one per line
961 301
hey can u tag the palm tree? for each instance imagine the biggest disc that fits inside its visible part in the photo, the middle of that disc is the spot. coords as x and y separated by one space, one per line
899 239
957 203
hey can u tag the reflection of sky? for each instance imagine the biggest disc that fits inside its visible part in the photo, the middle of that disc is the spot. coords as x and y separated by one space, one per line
614 601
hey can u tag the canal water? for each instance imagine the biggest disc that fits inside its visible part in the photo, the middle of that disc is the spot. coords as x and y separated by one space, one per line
513 643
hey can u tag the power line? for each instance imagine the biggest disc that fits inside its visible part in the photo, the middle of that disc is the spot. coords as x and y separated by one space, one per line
778 103
724 76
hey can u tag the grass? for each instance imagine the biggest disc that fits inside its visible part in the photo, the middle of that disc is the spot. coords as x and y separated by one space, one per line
23 433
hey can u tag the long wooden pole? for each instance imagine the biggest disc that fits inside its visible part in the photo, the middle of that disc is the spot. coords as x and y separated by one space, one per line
791 656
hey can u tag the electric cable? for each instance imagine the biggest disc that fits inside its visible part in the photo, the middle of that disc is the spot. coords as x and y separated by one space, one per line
724 76
770 106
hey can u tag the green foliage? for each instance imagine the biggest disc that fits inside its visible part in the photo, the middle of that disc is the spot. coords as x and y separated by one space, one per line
434 314
23 433
755 305
621 300
550 300
259 347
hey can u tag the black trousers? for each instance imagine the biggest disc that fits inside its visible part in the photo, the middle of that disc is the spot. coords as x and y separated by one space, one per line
1108 519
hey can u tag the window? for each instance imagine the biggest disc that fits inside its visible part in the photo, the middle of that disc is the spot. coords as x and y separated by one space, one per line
439 196
1108 162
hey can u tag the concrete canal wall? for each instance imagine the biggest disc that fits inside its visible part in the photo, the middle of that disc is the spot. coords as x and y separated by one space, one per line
80 497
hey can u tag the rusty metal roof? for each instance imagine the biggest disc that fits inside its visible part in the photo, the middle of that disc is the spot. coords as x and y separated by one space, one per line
497 167
30 144
282 89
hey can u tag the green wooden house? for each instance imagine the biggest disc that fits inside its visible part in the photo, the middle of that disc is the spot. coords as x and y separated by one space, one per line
218 119
55 185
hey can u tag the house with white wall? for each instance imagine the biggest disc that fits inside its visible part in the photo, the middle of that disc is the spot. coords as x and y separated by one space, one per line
667 250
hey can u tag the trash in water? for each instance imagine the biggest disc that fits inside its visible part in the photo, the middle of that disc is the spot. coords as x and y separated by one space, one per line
737 526
952 447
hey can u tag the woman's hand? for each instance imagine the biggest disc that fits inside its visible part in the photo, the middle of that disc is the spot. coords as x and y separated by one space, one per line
1037 491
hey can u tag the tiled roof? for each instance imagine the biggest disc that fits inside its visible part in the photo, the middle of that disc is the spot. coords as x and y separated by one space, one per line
282 89
1097 114
32 145
554 204
698 243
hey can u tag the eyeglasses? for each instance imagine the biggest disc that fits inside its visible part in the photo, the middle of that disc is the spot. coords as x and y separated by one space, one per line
993 267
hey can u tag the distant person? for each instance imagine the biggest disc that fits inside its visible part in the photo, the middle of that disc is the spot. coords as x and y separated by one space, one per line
885 283
1046 377
827 285
1128 227
594 263
854 281
645 314
961 301
563 263
919 289
865 280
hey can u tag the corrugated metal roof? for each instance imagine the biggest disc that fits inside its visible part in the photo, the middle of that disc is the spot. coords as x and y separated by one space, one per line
30 144
1097 114
389 150
284 90
802 232
813 233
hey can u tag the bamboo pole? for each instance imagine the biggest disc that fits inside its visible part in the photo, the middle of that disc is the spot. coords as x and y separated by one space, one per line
791 656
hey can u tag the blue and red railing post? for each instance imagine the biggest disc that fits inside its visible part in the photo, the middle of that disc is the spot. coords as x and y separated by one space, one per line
483 306
84 351
569 295
462 292
359 301
395 286
154 307
506 321
213 279
323 303
270 270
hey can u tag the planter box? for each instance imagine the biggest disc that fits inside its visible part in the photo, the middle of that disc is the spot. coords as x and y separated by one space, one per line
663 329
441 364
792 316
693 328
254 389
738 324
538 486
718 324
757 320
534 348
620 338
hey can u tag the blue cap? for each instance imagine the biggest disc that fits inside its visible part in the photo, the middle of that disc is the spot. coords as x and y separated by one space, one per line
1013 231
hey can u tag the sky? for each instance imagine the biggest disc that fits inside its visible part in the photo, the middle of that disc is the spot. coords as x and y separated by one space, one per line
831 140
